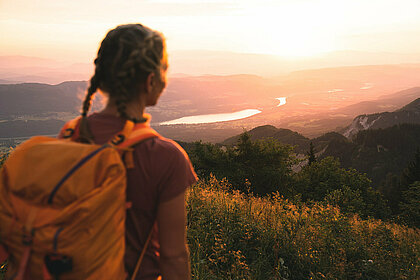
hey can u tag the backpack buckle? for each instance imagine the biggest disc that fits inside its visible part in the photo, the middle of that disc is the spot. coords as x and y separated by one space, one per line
118 139
68 133
58 264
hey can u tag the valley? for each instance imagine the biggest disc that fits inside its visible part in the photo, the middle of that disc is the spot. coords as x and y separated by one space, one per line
313 101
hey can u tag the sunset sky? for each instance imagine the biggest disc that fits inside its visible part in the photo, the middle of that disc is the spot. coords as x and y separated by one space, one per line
72 29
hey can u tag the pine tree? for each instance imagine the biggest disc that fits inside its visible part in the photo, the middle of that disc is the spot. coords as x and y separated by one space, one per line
311 154
407 195
411 174
410 205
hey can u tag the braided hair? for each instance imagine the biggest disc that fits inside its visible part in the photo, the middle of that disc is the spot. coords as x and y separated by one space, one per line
127 55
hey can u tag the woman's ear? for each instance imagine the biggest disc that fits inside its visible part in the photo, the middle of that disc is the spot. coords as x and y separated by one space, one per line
150 82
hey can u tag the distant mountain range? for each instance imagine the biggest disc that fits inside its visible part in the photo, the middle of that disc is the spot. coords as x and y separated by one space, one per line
381 142
317 100
32 98
27 128
388 102
24 69
407 114
21 69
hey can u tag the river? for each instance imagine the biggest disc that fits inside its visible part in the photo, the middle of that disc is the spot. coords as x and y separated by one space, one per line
213 118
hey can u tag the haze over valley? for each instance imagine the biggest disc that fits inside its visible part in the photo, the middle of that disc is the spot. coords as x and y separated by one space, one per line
311 102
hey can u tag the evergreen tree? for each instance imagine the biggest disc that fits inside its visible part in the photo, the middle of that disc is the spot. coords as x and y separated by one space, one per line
262 166
411 173
406 195
326 180
265 164
390 189
410 205
311 154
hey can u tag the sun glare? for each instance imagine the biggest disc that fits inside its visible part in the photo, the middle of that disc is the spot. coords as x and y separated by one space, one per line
291 31
297 42
287 28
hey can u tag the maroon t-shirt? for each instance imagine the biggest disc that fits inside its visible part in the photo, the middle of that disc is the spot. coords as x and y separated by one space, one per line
162 170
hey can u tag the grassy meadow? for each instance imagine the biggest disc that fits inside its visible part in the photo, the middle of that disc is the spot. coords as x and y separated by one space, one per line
238 236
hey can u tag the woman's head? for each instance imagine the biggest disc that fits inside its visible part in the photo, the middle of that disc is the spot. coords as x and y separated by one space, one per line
129 55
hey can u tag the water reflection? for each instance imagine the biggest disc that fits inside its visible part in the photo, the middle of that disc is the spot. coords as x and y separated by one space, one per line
282 101
212 118
367 86
335 90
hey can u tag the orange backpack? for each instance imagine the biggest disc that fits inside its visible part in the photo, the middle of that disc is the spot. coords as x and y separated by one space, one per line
63 206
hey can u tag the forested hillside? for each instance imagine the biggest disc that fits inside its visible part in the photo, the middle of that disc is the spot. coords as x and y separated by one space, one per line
377 152
341 175
30 98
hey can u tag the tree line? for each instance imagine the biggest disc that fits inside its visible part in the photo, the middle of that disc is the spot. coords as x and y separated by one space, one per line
266 167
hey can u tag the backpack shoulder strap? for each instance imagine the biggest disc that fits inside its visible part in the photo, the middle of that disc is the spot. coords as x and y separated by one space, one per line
138 133
130 135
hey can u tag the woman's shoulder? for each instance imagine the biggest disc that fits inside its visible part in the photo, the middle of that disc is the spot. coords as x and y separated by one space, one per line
168 163
104 126
163 147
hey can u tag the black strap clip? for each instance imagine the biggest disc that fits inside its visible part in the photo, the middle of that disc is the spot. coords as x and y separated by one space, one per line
118 139
58 264
68 133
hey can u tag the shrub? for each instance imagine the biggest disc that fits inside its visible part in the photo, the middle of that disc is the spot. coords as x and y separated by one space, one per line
347 188
264 165
410 205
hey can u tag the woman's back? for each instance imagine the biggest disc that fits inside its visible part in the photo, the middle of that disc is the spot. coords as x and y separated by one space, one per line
161 171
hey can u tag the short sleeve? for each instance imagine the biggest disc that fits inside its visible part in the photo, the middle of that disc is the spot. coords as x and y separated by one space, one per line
176 171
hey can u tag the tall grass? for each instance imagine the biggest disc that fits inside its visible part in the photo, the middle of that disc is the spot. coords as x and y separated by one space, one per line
237 236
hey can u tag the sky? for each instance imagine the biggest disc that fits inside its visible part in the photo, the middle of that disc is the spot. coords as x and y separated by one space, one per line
72 29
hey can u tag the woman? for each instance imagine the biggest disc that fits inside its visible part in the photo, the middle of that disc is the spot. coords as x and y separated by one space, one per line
131 71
